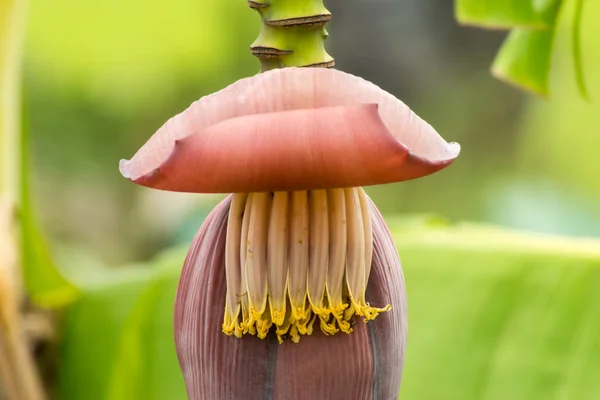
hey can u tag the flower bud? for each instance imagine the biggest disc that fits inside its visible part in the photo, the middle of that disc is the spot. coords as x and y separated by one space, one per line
364 364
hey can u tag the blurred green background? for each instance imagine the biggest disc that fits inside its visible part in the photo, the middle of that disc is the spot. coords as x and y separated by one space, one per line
100 80
489 320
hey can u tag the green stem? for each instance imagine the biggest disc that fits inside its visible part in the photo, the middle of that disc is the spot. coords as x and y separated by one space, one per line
45 284
18 374
11 19
292 34
576 38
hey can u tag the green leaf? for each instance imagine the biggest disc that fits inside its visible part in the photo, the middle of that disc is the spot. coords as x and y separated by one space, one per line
524 59
45 283
124 59
11 19
506 14
494 314
577 59
559 139
146 366
92 333
118 337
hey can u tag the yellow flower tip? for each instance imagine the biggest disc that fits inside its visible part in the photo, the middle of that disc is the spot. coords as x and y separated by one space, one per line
263 334
282 333
370 313
279 338
343 323
228 329
255 316
328 328
320 311
261 321
248 327
339 315
278 316
302 326
345 327
294 334
338 311
229 321
298 257
239 332
231 326
301 313
262 327
350 311
309 327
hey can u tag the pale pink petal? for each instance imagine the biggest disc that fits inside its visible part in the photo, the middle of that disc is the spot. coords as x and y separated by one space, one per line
290 150
255 103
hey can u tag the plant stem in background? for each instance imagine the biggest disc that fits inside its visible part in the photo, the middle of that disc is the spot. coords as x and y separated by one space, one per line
18 376
44 282
576 38
292 34
11 19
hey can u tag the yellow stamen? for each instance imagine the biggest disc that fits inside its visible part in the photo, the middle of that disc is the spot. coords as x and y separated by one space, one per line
277 257
355 261
294 258
298 261
243 251
256 257
283 329
233 271
338 245
318 254
359 261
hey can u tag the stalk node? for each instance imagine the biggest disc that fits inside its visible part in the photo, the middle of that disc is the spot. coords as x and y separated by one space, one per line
314 20
292 34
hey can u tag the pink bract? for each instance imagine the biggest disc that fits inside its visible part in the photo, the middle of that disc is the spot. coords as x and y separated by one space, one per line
290 129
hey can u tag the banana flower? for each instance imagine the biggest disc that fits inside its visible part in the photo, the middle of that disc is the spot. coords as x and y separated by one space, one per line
292 288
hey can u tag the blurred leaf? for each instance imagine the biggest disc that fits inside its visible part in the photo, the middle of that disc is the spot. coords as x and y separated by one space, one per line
92 333
133 54
559 140
413 222
497 314
505 14
145 365
18 373
11 16
494 314
481 239
524 59
10 44
118 338
45 285
577 48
